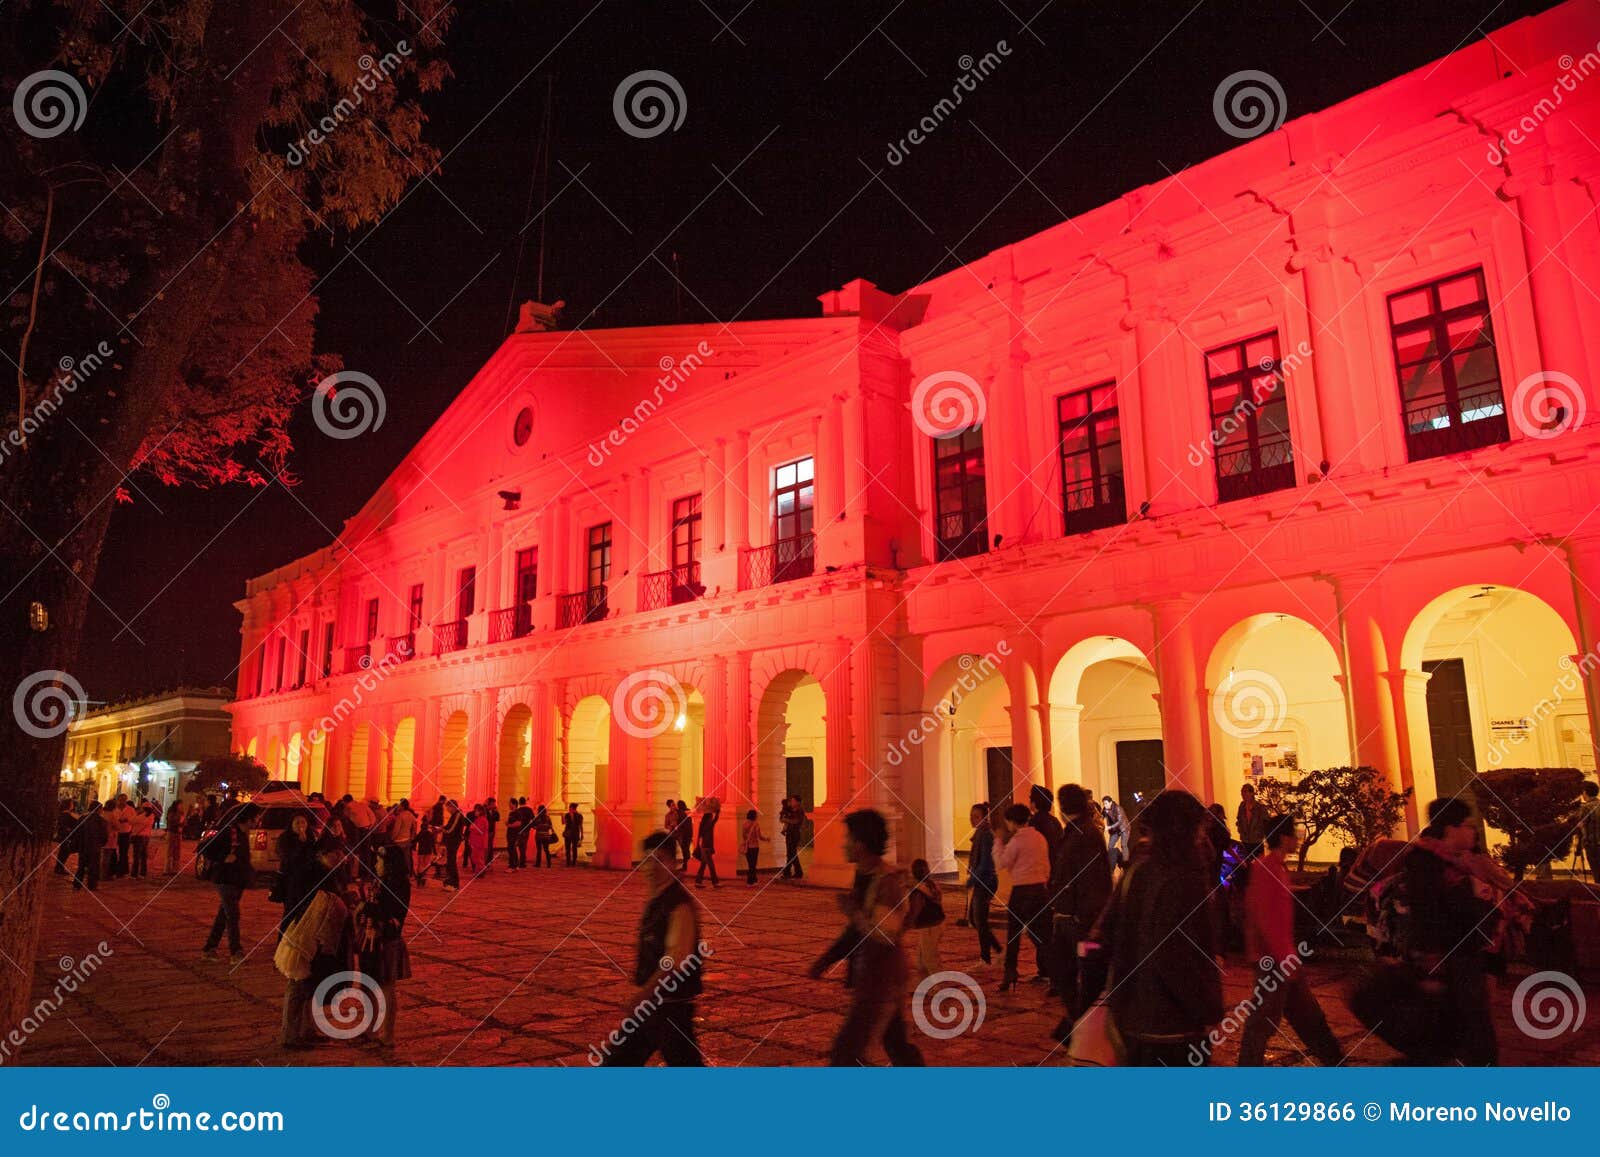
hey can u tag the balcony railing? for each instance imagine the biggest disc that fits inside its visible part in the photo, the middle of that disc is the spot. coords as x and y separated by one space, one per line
588 606
1426 438
404 648
668 588
357 658
451 636
510 623
1095 503
786 559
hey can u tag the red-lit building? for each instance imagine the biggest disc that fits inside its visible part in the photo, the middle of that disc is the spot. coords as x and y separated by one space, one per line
1284 461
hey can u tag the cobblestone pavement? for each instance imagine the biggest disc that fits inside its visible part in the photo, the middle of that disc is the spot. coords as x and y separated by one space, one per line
530 968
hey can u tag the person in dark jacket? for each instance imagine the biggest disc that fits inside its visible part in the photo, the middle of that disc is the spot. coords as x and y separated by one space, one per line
453 833
227 851
298 869
491 812
1080 885
380 946
982 882
518 821
1040 803
1165 985
667 971
792 821
1452 928
876 910
572 833
91 838
66 839
706 847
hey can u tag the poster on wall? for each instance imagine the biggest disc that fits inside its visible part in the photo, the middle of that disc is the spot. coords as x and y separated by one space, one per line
1268 757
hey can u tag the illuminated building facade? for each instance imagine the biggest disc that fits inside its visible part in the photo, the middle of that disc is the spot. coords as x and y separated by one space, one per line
1284 461
145 748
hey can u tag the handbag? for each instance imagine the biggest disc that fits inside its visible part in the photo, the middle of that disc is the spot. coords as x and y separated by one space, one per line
1095 1042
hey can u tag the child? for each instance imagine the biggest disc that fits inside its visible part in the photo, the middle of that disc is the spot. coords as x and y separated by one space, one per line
752 844
927 916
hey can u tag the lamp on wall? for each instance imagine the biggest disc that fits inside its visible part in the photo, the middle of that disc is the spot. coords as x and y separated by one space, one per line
511 498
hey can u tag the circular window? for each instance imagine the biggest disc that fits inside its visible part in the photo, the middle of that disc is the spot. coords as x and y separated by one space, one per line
522 426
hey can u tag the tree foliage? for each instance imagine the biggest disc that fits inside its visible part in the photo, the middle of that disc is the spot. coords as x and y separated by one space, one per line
1537 809
159 302
1356 803
235 771
172 170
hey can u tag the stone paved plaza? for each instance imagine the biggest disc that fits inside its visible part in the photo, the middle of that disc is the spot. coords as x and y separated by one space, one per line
529 968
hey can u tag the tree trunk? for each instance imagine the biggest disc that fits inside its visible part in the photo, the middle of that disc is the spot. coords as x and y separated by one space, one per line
59 492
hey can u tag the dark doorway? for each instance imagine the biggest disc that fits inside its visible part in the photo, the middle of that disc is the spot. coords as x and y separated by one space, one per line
799 778
1001 777
1455 760
1141 774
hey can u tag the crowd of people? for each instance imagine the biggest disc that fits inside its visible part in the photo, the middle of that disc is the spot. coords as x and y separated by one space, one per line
1127 920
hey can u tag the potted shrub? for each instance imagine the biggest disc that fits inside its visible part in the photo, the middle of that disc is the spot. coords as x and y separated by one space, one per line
1535 808
1354 802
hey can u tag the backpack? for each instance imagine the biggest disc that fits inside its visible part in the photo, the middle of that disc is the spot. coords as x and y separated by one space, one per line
926 912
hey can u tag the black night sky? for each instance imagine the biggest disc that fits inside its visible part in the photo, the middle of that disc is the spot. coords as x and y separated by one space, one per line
796 103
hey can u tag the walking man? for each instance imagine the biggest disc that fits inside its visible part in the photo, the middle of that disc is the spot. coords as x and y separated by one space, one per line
667 969
875 911
572 833
1269 939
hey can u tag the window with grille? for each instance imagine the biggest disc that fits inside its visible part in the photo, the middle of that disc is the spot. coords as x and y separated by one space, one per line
1090 435
1444 356
1250 443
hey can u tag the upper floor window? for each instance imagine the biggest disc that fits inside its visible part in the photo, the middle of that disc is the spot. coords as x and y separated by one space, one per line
327 648
599 567
1445 360
686 523
793 520
960 500
304 657
1249 418
372 619
527 575
414 608
1091 459
283 654
466 592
